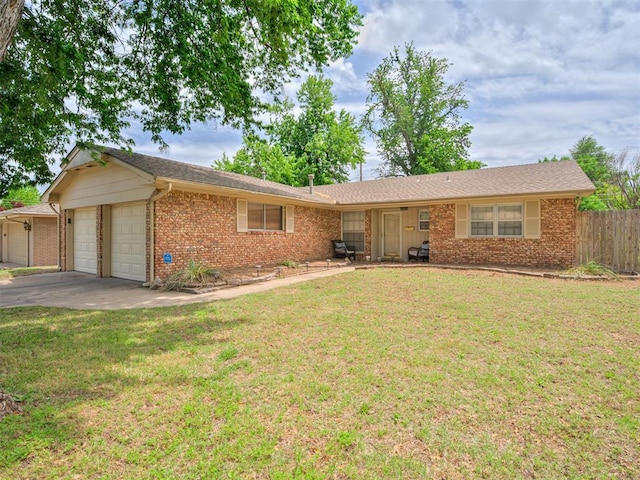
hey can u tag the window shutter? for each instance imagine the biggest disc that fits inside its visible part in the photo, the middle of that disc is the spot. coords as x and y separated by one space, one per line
289 218
242 216
462 220
532 219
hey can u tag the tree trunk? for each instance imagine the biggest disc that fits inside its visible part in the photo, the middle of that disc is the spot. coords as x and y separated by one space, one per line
10 14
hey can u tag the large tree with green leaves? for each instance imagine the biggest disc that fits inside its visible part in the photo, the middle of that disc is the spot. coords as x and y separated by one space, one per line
415 115
593 158
21 196
616 177
319 141
92 68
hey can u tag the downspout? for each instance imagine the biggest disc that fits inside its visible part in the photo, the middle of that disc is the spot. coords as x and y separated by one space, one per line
152 247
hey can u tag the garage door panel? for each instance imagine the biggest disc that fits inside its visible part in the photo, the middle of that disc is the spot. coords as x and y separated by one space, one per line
128 242
16 243
84 241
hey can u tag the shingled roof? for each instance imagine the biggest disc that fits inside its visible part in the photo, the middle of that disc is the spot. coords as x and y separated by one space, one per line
173 170
565 177
38 210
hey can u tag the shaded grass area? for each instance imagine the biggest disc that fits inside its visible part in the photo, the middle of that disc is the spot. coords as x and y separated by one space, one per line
405 373
24 271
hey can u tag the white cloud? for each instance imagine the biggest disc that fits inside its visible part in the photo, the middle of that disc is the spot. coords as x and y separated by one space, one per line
540 74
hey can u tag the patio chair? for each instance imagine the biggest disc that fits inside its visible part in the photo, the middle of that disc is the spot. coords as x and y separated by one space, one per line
342 250
419 253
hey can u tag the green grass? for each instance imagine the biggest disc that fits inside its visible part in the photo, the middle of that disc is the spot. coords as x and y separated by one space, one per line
23 271
405 373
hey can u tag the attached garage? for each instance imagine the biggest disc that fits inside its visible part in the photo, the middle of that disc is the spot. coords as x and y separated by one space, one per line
84 241
128 241
29 235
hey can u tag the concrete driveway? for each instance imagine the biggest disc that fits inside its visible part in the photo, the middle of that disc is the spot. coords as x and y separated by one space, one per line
85 291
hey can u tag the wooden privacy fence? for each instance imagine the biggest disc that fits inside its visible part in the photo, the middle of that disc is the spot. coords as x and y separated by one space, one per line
611 238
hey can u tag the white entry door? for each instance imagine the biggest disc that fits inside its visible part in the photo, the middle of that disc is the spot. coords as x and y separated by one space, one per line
128 241
391 239
84 240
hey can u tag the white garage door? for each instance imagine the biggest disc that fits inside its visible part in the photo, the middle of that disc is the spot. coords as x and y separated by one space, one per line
16 243
128 241
84 241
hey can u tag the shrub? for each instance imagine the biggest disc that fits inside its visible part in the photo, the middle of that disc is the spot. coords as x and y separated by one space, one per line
290 264
593 268
195 274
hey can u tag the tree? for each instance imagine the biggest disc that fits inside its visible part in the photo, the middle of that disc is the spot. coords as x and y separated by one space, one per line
616 177
319 141
624 173
92 68
19 197
414 115
258 158
593 159
10 12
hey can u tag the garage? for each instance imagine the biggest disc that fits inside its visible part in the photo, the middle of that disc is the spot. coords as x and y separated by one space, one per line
17 240
128 241
84 241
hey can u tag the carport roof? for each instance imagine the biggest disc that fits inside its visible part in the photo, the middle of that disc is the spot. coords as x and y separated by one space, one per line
38 210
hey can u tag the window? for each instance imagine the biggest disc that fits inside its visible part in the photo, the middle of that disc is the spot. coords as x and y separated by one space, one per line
509 220
423 220
496 220
264 217
353 229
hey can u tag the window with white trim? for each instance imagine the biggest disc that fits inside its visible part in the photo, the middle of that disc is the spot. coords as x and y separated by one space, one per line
423 220
496 220
353 229
262 216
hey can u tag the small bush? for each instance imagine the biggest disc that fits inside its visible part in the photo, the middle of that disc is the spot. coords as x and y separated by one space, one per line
195 274
290 264
593 268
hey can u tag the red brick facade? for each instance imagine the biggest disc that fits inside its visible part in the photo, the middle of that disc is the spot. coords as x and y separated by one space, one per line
556 246
62 240
100 241
45 241
204 228
368 233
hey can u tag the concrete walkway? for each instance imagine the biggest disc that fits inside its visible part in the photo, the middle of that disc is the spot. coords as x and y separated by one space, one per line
84 291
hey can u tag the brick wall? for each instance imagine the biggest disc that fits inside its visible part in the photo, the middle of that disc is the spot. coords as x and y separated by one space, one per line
555 247
100 240
45 241
367 233
62 245
203 227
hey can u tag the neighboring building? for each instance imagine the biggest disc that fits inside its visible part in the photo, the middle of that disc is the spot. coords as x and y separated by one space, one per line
136 216
29 235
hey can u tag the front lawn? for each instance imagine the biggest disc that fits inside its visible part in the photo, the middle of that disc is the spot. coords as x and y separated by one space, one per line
23 271
398 373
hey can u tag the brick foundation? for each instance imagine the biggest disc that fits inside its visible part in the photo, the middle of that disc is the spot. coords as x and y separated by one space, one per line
556 246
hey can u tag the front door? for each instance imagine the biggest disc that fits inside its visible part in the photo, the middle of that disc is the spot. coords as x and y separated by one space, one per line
391 241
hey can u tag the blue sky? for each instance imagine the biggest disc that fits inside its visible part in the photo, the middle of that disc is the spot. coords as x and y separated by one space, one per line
539 74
